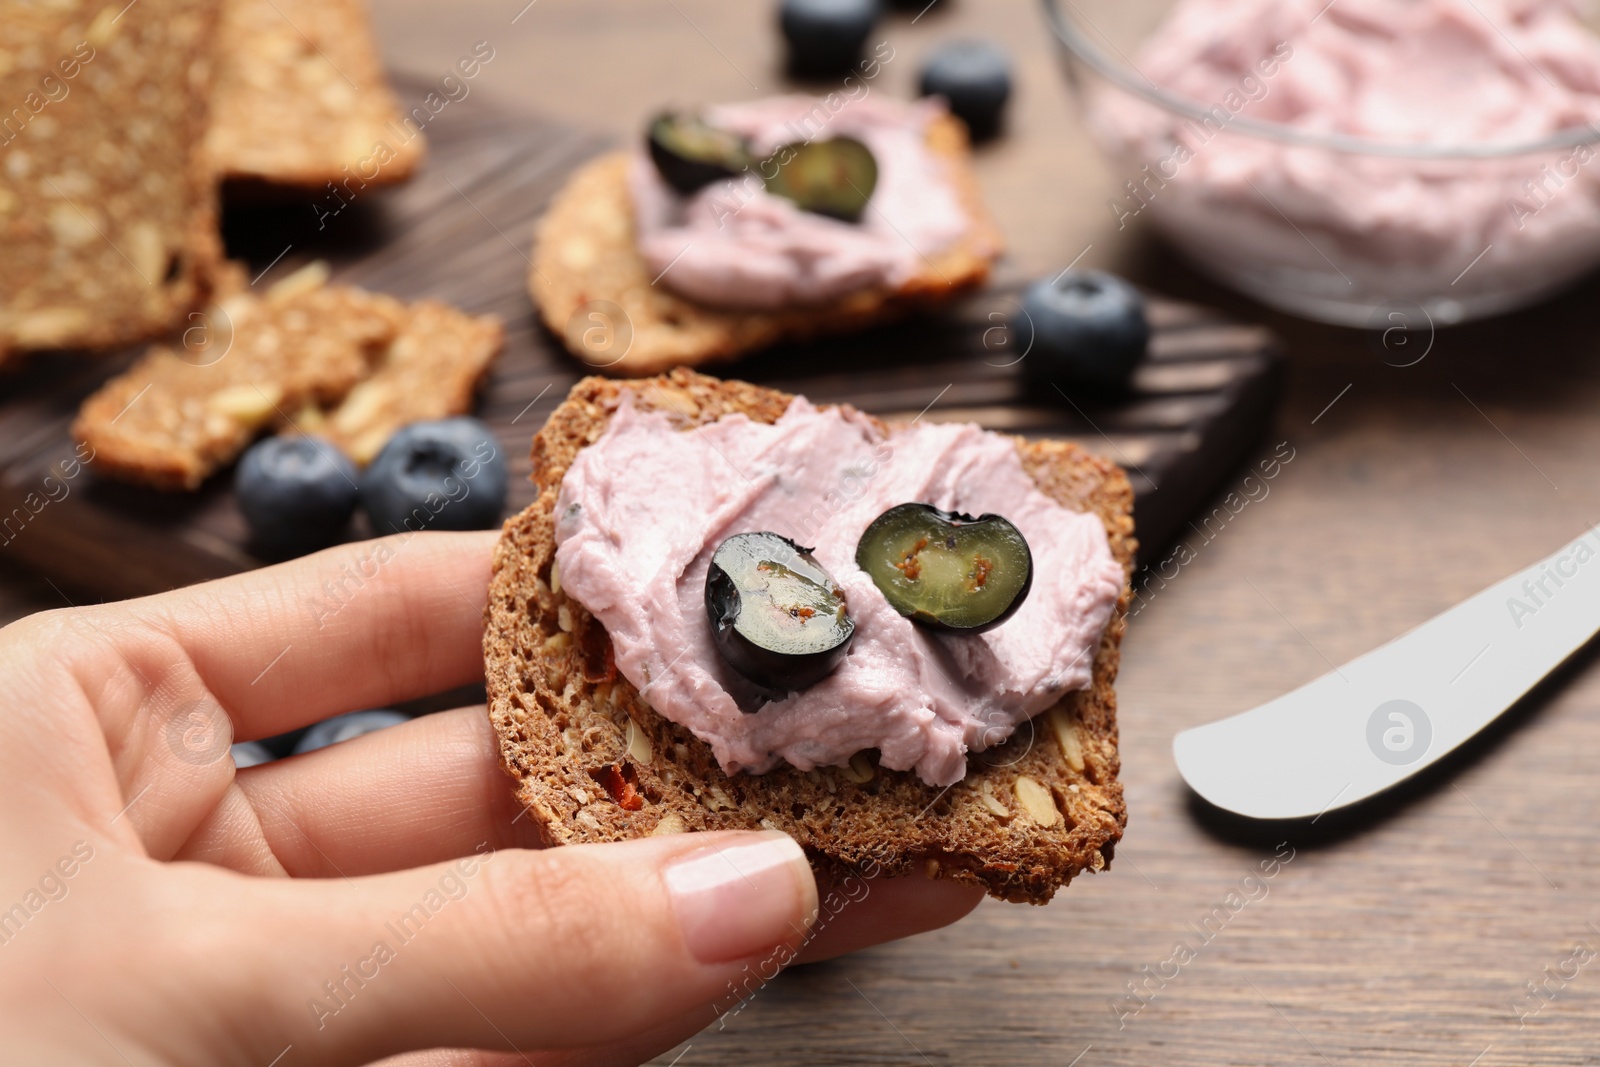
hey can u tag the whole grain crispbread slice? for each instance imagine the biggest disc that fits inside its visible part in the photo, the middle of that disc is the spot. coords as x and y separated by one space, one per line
585 260
301 100
593 762
107 215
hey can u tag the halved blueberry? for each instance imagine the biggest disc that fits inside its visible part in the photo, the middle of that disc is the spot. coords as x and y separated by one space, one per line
778 618
975 77
297 494
1088 328
835 177
690 154
444 475
945 570
826 36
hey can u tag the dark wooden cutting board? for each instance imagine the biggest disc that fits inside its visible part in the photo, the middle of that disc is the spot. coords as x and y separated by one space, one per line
461 232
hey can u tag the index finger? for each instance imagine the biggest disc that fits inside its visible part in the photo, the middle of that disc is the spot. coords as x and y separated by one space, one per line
356 626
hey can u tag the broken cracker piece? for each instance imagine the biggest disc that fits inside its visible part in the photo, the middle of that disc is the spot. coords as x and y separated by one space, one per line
430 370
184 410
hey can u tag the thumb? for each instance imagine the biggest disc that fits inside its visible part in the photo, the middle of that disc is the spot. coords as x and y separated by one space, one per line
518 949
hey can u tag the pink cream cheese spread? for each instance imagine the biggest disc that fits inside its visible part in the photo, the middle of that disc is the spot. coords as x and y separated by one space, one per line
733 244
642 509
1438 72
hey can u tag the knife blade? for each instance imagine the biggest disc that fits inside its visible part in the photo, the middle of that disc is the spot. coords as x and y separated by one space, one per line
1384 716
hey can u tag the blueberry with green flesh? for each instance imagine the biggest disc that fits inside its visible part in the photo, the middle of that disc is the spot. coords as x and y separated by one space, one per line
835 177
947 571
449 474
691 154
1088 328
297 494
826 36
777 617
975 77
347 727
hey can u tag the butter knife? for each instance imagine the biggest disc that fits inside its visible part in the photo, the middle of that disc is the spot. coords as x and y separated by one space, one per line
1383 717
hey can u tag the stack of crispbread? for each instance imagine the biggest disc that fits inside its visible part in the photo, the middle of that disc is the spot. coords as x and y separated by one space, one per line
116 123
127 117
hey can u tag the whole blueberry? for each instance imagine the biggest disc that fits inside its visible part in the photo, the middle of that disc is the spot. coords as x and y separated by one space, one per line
297 494
1088 327
250 754
826 36
975 77
444 475
344 727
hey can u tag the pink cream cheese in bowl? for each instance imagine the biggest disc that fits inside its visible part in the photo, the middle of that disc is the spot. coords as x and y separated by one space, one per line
1348 160
732 244
641 510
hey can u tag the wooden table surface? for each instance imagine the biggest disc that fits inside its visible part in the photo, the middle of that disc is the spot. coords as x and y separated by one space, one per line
1409 936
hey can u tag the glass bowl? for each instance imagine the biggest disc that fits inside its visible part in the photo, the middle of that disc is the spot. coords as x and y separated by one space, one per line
1332 227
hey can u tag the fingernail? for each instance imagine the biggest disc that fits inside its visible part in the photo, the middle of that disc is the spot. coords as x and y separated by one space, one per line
738 899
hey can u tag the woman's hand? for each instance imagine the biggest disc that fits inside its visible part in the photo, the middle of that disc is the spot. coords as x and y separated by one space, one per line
158 906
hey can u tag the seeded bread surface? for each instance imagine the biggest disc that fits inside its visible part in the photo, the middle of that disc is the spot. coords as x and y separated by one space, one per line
593 762
585 254
301 99
107 216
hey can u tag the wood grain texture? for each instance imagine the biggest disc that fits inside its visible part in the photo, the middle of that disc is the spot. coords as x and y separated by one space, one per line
1406 938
